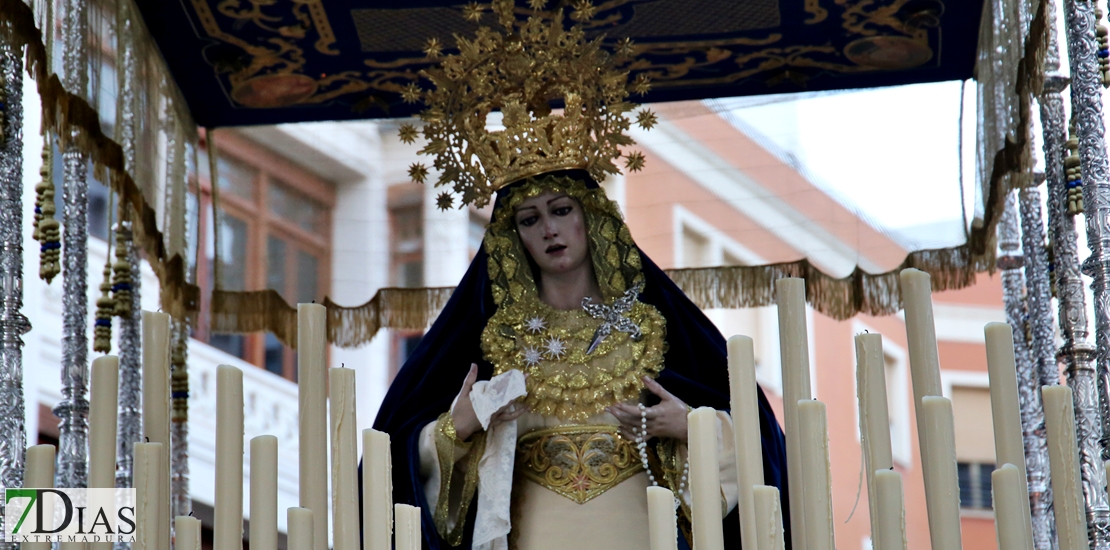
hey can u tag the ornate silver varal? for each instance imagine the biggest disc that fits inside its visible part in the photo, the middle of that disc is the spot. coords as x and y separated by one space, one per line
73 411
1042 345
180 502
13 324
130 328
1065 270
1086 97
1010 263
130 419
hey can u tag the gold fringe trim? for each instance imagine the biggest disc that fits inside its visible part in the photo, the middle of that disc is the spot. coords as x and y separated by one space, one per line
73 120
348 327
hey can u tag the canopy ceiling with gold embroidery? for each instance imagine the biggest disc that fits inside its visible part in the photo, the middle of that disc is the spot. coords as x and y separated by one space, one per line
247 62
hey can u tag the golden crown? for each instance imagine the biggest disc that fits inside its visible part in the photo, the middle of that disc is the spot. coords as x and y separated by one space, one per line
520 71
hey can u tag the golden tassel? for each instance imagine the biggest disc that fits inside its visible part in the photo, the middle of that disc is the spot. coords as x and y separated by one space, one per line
121 280
179 377
47 229
105 306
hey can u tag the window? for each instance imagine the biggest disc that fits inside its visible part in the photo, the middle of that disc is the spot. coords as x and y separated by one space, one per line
275 232
695 249
406 221
974 445
975 484
406 237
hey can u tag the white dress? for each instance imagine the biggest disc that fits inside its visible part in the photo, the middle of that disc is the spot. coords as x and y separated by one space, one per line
616 519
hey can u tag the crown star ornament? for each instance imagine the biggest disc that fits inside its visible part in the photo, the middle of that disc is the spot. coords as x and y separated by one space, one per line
521 71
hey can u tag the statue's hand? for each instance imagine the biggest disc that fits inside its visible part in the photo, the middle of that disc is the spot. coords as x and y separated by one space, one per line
667 419
466 421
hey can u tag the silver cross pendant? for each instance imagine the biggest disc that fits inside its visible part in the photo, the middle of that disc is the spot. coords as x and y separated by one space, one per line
613 316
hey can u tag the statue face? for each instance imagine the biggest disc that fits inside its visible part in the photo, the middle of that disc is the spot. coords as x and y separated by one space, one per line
553 230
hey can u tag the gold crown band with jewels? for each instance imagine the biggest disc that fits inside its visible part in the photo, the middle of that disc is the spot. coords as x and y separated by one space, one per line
520 71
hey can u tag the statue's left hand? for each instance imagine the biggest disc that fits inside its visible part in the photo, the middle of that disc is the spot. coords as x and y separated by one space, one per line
667 419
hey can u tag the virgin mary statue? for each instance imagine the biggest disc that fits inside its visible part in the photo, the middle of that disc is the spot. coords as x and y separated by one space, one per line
607 353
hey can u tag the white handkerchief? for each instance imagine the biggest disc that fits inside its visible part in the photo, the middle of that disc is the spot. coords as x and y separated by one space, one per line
495 470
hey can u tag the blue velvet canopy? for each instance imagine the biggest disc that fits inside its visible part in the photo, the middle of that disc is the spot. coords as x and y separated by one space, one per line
253 62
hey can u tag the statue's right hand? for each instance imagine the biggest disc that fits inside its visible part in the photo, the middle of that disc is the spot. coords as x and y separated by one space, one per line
466 421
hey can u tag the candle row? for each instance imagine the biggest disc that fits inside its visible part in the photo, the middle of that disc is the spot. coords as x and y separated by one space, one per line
151 457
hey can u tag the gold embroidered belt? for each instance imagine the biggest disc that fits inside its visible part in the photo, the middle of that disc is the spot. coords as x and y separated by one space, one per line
578 462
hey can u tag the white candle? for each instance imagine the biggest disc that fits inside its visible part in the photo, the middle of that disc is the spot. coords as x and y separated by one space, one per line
1063 459
103 405
186 533
705 479
891 511
39 474
156 401
408 527
662 523
794 350
874 419
745 425
312 409
921 332
814 444
1009 445
768 518
344 460
149 494
1011 523
301 534
228 520
942 490
263 526
377 491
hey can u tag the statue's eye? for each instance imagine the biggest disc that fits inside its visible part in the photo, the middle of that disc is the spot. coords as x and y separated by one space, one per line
562 210
529 221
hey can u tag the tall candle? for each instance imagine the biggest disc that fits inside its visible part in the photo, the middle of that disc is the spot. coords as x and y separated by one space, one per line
103 405
228 520
149 494
705 479
921 339
745 425
794 350
377 491
156 400
1009 445
768 518
301 533
814 444
662 523
344 460
891 511
874 418
408 527
942 490
1063 459
263 526
1011 523
39 474
186 531
312 410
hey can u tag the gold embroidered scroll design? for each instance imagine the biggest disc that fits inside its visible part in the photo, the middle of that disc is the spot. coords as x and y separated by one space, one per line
578 462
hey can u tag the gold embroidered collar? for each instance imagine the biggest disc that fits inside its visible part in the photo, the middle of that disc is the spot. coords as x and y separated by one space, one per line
550 346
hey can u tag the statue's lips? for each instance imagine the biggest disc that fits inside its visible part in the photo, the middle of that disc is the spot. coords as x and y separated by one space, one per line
556 248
